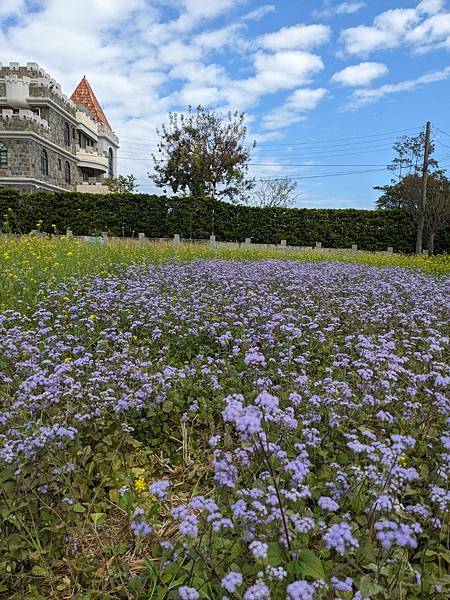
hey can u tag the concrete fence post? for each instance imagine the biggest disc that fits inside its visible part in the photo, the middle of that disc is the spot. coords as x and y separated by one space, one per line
318 245
176 239
390 250
354 247
248 241
104 237
425 252
141 237
283 243
212 241
69 233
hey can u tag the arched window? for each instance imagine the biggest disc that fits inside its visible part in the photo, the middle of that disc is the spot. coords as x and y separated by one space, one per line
3 155
66 134
110 163
44 162
67 172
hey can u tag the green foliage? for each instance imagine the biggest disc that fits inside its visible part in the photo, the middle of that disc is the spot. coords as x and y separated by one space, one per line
197 218
123 184
203 153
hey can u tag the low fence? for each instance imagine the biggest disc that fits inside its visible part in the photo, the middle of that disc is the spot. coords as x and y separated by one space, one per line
214 244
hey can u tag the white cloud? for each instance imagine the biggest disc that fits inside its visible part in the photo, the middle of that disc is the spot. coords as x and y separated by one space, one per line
294 108
431 7
11 7
300 37
360 75
348 8
344 8
259 13
421 28
283 70
364 97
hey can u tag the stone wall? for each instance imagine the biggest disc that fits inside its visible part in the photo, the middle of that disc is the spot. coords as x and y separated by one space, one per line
18 158
56 123
56 176
24 159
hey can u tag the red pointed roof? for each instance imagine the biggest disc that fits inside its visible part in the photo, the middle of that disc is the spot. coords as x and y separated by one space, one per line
84 95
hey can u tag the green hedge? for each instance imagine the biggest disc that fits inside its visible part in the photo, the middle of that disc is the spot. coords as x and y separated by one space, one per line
161 216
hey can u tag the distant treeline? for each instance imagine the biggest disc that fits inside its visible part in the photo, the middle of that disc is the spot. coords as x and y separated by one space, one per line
197 218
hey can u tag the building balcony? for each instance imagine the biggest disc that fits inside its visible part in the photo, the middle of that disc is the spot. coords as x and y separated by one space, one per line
92 186
90 158
87 125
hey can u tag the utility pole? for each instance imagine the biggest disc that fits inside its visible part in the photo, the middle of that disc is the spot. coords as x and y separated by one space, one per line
423 194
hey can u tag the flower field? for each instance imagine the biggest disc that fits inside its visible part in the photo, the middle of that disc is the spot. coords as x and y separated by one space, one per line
183 426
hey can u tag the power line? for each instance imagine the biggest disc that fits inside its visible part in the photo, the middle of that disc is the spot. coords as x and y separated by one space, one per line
300 156
133 146
441 143
309 142
319 176
442 131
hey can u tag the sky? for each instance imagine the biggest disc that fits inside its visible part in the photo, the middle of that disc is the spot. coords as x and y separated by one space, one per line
326 86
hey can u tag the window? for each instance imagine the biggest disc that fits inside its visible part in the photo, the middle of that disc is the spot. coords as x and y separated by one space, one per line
66 134
3 155
44 162
67 172
59 164
110 163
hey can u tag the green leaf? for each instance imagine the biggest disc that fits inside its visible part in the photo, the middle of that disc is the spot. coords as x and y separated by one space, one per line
39 571
275 554
310 564
98 517
367 587
78 508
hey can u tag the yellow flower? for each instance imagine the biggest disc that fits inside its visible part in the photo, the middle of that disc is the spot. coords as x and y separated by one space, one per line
68 360
69 253
140 485
403 460
92 317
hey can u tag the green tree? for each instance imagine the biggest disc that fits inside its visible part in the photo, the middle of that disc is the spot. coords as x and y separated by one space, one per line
204 153
123 184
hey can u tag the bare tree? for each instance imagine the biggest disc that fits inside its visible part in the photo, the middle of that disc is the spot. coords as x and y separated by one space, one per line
276 192
409 159
437 208
204 153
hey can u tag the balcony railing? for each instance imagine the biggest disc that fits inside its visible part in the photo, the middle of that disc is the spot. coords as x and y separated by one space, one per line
91 158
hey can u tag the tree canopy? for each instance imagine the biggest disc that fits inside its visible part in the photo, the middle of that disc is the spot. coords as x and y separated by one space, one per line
204 153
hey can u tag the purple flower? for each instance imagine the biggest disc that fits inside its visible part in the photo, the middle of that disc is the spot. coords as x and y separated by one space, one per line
259 549
231 581
389 533
327 503
188 593
259 591
342 585
189 526
159 489
339 537
300 590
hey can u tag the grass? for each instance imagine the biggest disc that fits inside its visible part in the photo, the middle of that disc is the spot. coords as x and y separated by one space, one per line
30 265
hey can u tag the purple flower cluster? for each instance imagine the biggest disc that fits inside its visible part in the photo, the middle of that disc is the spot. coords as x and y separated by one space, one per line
323 386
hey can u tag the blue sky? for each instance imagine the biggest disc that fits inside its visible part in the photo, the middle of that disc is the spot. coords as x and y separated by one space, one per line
327 86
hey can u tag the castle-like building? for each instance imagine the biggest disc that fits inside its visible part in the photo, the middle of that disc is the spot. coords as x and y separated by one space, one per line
51 142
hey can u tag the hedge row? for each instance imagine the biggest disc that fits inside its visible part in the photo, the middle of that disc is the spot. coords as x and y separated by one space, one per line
161 216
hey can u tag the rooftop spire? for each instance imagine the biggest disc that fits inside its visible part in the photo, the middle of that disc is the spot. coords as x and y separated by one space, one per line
85 96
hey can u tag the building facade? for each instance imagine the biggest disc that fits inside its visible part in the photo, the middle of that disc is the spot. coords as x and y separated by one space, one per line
51 142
